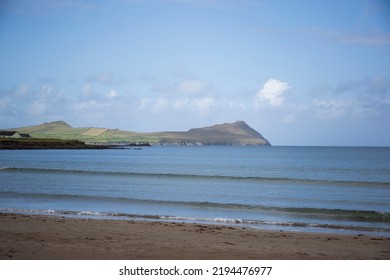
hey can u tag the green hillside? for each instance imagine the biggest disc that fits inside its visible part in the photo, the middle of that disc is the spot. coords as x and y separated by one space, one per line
62 130
238 133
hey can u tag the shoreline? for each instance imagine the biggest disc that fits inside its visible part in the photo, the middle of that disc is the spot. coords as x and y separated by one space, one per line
60 144
41 237
331 229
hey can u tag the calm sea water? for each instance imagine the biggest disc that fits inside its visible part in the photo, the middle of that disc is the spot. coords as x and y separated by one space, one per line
329 189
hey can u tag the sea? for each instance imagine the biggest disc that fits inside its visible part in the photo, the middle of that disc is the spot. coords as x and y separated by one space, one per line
306 189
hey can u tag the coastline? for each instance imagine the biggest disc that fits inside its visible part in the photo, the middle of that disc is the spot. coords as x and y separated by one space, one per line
39 237
46 144
58 144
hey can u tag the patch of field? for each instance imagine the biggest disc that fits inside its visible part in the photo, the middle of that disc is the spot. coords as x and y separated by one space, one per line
94 131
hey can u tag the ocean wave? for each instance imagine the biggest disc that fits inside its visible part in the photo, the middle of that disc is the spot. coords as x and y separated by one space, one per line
199 176
325 213
216 220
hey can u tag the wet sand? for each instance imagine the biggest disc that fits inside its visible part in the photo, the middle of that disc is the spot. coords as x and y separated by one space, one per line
35 237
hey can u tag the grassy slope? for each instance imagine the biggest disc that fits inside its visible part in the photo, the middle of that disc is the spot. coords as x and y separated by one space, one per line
238 133
61 130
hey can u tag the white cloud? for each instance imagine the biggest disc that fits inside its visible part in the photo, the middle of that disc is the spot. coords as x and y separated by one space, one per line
37 108
47 90
111 94
87 89
335 108
181 104
46 100
202 104
235 105
366 98
159 105
142 103
272 92
191 87
4 103
375 85
101 78
351 108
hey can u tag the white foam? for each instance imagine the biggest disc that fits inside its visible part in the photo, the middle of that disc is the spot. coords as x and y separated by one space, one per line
91 213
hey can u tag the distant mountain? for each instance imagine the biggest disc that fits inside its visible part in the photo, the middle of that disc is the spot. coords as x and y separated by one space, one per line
237 133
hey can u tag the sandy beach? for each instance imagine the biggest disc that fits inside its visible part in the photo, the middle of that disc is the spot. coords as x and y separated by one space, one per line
34 237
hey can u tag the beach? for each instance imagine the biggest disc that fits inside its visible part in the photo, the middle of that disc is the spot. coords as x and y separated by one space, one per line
39 237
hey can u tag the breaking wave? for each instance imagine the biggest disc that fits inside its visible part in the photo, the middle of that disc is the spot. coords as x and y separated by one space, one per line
338 214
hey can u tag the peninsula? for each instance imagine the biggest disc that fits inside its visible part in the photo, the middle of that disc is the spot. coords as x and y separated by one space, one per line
237 133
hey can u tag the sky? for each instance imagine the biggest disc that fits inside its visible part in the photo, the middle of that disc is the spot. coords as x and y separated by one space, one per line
299 72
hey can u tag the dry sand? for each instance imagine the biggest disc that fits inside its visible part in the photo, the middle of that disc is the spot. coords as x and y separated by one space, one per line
47 237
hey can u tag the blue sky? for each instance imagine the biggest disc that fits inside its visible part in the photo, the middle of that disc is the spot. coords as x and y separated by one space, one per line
299 72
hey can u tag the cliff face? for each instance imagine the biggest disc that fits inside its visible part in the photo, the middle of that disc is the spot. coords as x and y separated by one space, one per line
237 133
